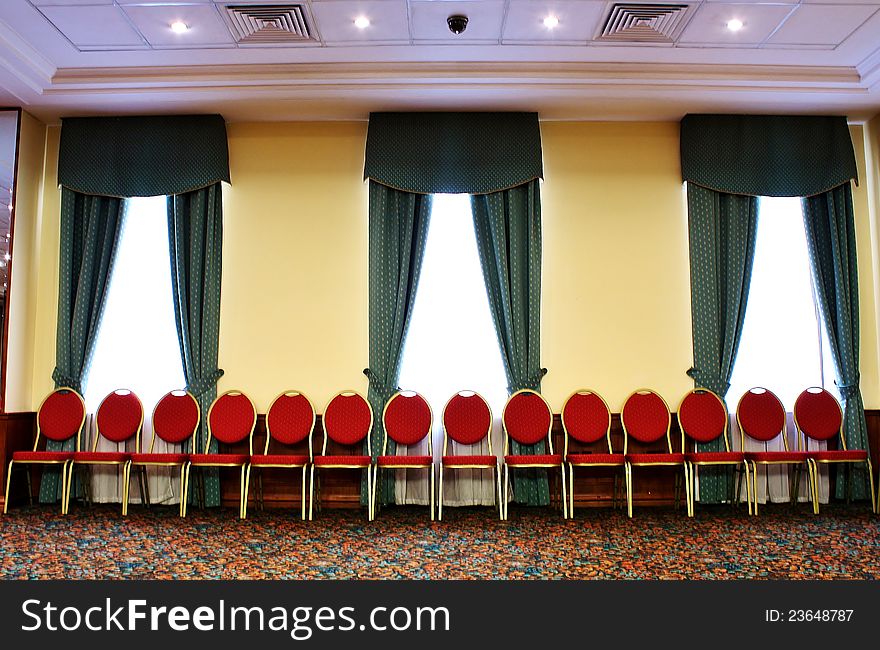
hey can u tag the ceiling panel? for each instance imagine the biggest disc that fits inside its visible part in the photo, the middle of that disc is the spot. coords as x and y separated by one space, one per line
44 3
709 25
822 24
335 20
484 20
154 22
577 20
93 26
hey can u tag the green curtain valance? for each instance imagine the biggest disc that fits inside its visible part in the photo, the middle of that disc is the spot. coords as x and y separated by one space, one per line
454 153
142 155
767 155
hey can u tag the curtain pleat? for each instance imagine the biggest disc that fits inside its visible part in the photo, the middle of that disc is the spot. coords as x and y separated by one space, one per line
831 241
722 232
398 230
195 234
90 227
508 230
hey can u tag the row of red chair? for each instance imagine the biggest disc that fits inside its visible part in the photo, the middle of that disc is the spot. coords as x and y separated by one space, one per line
467 420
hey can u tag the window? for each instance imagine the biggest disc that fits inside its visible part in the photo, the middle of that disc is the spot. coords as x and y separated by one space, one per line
783 347
451 344
137 346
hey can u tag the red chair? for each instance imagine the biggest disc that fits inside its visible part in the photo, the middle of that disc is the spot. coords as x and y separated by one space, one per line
467 420
175 421
231 419
646 420
60 418
528 420
119 418
348 420
407 419
761 417
818 417
586 419
289 421
702 418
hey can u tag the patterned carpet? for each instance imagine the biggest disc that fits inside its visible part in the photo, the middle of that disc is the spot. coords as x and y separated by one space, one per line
719 543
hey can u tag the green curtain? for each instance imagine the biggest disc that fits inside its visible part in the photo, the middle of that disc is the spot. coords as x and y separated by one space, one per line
508 230
722 233
195 234
90 227
398 231
831 240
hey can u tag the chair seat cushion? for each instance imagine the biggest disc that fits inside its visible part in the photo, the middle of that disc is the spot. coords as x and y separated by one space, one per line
715 457
654 459
777 456
218 459
100 457
280 459
158 458
349 461
595 459
390 461
854 455
470 461
43 456
524 460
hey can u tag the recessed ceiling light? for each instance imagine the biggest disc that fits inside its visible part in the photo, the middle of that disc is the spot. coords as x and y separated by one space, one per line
179 27
551 21
734 24
361 22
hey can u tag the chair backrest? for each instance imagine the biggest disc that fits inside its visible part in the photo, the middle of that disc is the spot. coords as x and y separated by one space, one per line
176 419
586 418
407 420
761 416
348 419
290 420
467 419
702 417
120 417
61 416
645 418
527 419
232 418
818 416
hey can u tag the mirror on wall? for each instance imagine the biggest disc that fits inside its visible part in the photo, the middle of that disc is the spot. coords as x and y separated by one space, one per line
9 129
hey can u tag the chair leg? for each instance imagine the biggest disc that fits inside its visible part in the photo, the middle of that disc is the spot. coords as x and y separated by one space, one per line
505 486
259 487
689 474
431 470
303 494
755 486
182 490
242 494
564 492
8 480
677 492
870 471
66 487
440 495
570 491
502 498
145 492
376 481
371 496
311 493
629 503
30 489
246 493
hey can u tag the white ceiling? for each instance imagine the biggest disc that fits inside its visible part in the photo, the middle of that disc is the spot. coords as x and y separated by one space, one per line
72 57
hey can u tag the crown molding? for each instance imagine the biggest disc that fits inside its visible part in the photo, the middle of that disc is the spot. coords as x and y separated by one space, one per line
294 77
23 61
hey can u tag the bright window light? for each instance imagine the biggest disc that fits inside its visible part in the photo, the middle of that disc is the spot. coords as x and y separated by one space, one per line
452 344
137 344
782 340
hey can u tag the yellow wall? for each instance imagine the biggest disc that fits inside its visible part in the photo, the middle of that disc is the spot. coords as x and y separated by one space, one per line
616 302
22 305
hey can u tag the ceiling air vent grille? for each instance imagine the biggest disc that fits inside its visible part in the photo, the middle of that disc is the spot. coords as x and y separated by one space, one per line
644 23
258 24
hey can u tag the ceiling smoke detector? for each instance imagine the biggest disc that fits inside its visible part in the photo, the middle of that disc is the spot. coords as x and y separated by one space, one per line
457 23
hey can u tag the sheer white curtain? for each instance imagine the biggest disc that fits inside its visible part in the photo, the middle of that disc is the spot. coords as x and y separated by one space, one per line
137 344
782 345
452 346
